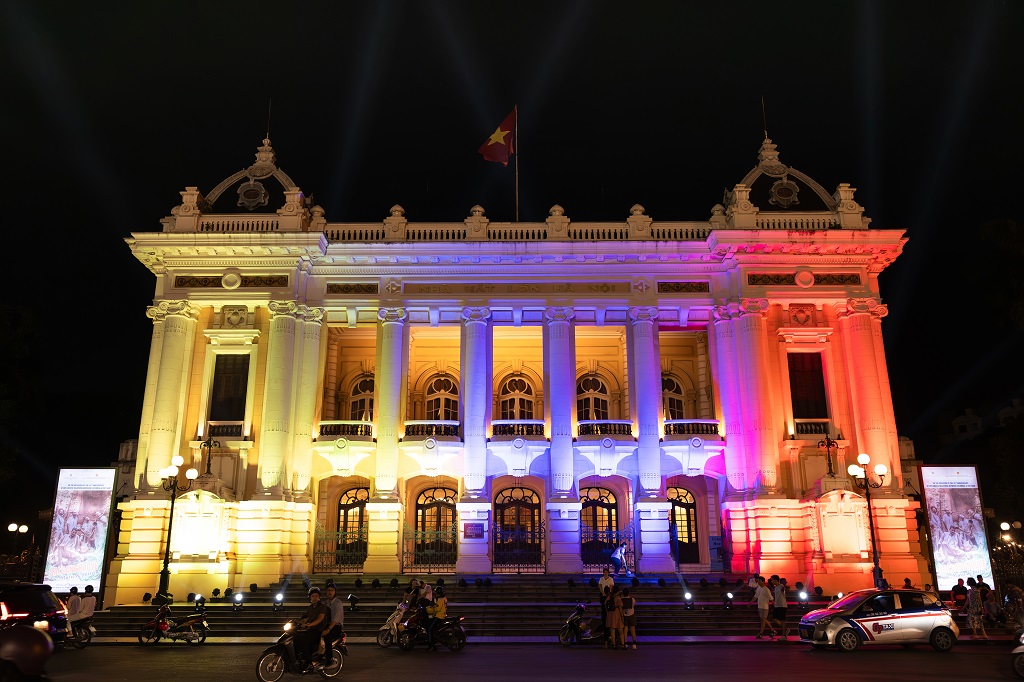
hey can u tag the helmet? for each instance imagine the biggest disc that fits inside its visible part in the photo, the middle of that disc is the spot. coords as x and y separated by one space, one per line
312 591
88 589
439 592
27 648
73 590
330 586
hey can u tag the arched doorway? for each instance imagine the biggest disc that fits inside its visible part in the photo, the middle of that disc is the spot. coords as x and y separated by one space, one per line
518 535
599 529
432 543
683 526
344 550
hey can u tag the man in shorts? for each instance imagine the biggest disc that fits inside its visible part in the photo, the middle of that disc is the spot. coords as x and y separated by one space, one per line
763 597
779 613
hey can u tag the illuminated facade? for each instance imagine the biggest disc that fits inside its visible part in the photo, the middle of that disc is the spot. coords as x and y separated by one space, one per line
481 397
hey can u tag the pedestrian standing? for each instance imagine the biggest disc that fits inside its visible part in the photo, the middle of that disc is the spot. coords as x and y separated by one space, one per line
629 616
606 599
975 610
606 581
616 627
779 613
763 597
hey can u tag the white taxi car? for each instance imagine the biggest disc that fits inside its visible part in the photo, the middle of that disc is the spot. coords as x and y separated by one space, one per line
881 617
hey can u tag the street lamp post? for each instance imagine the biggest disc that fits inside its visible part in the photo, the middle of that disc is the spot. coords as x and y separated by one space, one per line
860 475
15 531
170 476
829 444
209 444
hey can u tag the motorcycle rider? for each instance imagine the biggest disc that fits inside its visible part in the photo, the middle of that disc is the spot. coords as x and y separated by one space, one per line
307 639
88 606
74 604
332 633
436 614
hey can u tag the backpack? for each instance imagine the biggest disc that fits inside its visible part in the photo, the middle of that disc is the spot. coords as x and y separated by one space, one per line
628 610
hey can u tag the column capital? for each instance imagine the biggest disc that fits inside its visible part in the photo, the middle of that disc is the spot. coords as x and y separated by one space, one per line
278 308
180 308
392 315
862 306
479 315
564 314
643 314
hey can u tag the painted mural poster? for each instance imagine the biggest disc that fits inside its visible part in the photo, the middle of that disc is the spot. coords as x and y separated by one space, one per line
78 536
959 543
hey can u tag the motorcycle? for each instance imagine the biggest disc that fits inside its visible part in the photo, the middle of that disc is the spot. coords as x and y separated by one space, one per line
191 628
80 633
448 633
275 661
1018 655
578 631
388 633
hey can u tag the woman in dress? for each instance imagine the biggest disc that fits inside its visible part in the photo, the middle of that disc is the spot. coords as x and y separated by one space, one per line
975 610
615 623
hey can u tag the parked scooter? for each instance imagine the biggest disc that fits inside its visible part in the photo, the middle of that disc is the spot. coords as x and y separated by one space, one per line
388 633
1018 655
80 633
448 633
279 659
191 628
579 631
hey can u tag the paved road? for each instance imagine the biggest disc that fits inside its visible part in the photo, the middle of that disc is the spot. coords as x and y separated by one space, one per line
764 662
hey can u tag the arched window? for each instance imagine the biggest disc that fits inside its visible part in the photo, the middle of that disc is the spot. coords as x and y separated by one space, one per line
518 537
672 398
591 399
684 525
361 402
600 511
442 399
516 399
352 509
435 509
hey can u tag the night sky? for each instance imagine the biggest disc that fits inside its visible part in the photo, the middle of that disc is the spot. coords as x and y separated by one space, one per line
108 112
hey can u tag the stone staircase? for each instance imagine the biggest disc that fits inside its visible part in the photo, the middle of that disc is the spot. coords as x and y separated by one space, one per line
512 607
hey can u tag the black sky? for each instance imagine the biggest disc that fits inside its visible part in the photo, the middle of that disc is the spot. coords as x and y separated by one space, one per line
110 109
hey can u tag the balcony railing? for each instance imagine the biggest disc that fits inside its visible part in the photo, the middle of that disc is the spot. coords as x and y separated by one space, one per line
606 427
517 427
329 430
224 429
691 427
422 429
812 427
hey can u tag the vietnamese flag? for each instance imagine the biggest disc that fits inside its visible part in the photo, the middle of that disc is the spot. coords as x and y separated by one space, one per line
501 144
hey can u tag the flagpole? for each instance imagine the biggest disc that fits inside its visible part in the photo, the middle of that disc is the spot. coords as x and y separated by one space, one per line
516 153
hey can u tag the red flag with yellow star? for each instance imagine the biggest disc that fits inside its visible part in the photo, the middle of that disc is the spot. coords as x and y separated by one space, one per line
501 144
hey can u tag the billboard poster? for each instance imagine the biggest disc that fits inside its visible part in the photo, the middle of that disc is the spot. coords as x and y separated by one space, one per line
959 542
78 536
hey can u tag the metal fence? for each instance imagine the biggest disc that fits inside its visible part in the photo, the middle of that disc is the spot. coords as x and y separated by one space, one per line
596 548
430 551
339 551
518 551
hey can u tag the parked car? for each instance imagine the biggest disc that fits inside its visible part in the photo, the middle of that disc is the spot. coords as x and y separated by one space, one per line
34 605
873 616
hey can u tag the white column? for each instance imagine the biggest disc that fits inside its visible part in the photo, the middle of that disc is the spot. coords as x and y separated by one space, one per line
860 324
760 442
727 368
387 404
152 374
276 431
477 335
307 357
560 371
645 368
331 390
170 391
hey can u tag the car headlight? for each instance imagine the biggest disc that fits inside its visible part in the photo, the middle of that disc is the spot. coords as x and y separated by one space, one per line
1022 639
824 621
